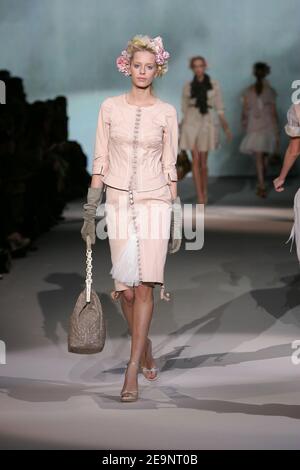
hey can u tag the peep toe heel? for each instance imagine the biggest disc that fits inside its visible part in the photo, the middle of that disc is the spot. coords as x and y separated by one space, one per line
129 395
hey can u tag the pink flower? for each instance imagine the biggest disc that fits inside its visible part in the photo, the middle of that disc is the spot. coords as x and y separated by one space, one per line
161 56
158 42
123 63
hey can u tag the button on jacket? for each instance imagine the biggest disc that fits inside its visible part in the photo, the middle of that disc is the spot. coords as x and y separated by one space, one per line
136 146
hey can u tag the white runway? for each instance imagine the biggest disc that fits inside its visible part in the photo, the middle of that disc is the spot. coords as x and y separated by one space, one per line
223 343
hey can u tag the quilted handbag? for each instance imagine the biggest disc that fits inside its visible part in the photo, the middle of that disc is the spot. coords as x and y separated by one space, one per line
87 326
183 164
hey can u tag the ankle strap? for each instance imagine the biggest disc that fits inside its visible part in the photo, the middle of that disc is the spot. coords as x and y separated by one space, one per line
132 362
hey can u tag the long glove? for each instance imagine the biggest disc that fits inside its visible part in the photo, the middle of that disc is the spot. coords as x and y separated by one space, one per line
176 226
94 197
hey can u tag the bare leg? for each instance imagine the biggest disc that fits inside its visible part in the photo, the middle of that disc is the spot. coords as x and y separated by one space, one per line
127 302
266 162
141 320
260 169
196 170
204 173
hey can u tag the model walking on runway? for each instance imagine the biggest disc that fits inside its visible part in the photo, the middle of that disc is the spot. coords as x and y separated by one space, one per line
199 130
134 160
260 121
292 129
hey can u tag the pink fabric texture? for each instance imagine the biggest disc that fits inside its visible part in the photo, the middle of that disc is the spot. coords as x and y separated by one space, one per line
136 152
157 147
261 126
138 235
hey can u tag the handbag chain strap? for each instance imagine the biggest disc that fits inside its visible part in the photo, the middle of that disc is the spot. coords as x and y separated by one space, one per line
88 279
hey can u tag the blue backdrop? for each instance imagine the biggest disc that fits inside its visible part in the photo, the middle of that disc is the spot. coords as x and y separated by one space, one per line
70 46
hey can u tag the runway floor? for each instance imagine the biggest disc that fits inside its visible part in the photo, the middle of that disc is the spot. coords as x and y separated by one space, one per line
223 343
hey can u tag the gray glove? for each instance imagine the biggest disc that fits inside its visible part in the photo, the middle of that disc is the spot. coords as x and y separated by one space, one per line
94 197
176 226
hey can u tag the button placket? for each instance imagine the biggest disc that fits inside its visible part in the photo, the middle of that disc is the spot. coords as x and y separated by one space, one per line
132 185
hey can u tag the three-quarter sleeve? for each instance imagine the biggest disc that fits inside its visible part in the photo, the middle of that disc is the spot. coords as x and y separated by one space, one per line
244 96
101 155
292 128
170 146
218 101
185 98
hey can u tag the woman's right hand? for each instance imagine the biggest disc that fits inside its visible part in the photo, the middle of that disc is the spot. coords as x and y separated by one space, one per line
94 198
89 228
278 184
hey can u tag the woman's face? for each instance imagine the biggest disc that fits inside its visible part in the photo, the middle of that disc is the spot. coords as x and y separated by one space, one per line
199 67
259 73
143 69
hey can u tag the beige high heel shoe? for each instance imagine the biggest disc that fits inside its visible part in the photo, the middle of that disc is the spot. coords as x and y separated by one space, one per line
145 370
130 395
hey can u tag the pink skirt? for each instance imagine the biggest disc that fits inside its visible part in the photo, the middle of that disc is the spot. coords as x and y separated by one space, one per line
260 141
138 228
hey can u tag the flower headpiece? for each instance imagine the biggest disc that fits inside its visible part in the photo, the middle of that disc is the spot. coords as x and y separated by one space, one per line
140 42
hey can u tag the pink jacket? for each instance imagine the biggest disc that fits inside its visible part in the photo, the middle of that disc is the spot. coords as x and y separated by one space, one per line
136 145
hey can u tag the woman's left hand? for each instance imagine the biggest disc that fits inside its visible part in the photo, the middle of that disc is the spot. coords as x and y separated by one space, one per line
278 184
228 134
176 226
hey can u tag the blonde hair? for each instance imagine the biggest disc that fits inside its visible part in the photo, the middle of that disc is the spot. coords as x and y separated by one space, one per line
143 43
